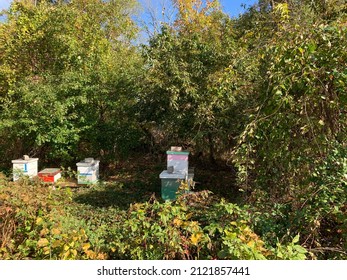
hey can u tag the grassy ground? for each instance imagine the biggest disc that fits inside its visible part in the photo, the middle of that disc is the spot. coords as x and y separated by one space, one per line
137 180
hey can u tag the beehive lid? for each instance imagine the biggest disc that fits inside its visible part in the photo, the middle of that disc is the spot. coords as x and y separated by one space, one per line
49 171
21 160
174 175
88 162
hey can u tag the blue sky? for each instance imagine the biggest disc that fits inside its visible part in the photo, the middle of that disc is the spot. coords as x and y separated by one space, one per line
232 7
154 8
4 4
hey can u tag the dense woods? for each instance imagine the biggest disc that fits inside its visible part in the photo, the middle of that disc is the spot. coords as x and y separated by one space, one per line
261 97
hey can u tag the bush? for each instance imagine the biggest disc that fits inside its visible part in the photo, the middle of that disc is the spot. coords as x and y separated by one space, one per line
194 226
38 221
34 224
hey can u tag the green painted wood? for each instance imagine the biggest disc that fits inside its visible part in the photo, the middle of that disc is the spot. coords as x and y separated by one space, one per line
177 153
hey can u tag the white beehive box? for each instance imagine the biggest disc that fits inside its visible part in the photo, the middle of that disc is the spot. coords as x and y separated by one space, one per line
88 171
178 160
24 167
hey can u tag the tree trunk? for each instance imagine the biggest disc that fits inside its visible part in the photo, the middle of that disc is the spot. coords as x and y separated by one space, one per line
211 148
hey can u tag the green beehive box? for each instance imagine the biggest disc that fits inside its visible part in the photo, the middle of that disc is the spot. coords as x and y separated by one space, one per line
170 183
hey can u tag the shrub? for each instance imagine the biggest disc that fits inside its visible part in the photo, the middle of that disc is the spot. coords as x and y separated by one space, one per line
194 226
34 224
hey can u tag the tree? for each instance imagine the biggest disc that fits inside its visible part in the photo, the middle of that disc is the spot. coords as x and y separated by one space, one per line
69 56
294 141
181 93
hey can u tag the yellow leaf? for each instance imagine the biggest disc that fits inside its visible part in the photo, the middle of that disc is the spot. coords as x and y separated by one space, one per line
177 222
42 242
46 250
250 243
39 221
85 246
242 238
101 256
74 252
90 254
195 238
55 231
66 254
56 244
44 231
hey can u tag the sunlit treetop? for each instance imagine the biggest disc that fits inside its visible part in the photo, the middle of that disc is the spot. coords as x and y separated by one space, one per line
196 15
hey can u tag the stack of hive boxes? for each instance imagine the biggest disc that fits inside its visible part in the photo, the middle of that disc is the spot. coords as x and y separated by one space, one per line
177 171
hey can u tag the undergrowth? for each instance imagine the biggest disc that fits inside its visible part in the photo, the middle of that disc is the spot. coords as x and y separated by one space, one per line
39 221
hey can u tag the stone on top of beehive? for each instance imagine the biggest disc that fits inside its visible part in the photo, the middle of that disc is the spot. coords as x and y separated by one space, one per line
176 149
